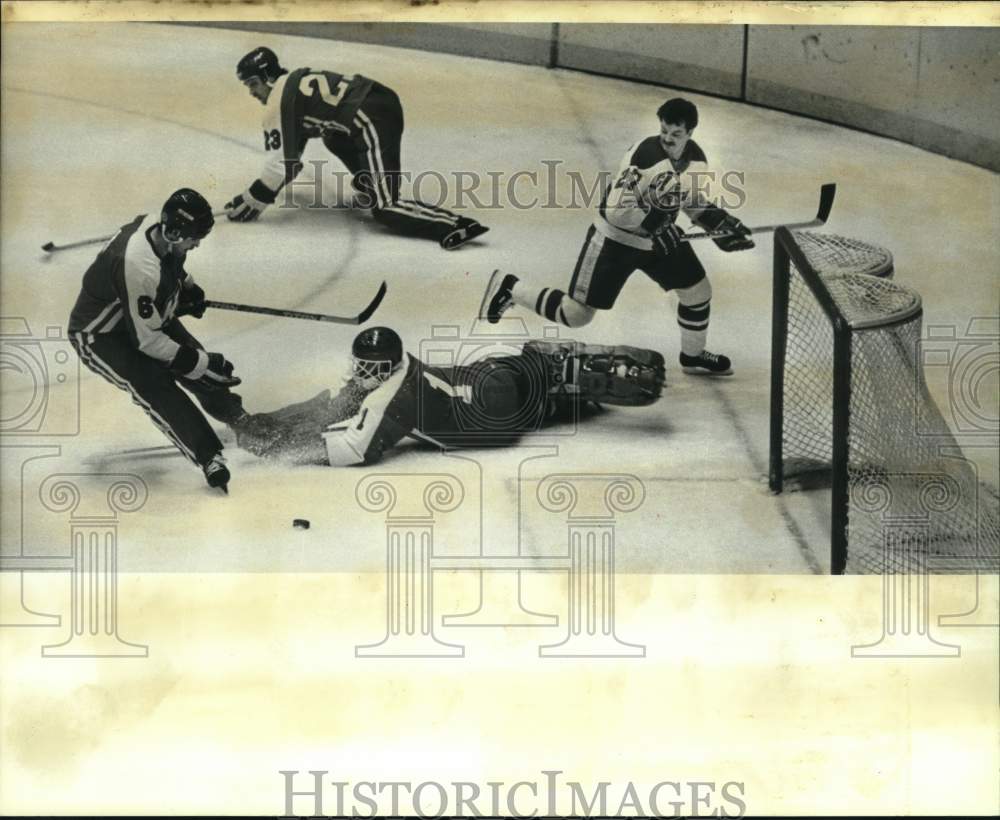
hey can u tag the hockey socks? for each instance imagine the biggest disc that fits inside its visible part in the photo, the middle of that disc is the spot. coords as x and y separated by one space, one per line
506 290
693 321
553 304
692 316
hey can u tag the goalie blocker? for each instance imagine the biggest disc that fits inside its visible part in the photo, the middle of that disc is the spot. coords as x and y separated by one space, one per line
491 402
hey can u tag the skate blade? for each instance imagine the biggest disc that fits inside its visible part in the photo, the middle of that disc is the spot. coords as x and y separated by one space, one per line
697 371
491 289
471 233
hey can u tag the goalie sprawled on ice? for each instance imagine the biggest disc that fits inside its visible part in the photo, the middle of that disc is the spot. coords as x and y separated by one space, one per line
491 402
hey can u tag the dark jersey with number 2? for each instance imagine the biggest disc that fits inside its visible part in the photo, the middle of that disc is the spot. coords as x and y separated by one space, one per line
304 104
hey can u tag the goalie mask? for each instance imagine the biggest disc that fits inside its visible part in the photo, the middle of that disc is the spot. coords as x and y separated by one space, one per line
375 355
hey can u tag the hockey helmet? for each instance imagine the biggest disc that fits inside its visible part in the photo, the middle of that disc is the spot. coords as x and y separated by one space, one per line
376 354
261 63
186 215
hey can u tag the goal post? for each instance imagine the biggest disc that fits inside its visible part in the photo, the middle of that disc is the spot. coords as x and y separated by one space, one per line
848 395
786 254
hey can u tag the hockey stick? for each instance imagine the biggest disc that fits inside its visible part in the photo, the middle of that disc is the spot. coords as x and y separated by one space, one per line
826 194
361 318
51 247
162 451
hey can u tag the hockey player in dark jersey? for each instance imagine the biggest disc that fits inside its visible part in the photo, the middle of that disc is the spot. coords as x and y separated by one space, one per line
125 327
491 402
361 122
635 229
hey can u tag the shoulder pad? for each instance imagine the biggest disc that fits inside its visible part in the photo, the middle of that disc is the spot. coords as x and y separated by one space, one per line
141 260
648 153
693 153
294 76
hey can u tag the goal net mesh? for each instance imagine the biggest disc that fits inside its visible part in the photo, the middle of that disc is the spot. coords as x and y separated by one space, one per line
914 502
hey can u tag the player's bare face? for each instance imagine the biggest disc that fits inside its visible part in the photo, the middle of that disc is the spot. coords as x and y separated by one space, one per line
258 89
674 138
184 245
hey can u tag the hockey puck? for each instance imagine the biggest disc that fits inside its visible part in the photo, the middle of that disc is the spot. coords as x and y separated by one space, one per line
300 524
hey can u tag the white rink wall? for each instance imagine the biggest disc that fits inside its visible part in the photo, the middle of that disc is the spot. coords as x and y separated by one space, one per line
937 88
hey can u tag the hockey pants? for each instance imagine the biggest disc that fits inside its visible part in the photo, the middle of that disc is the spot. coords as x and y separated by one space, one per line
372 155
156 390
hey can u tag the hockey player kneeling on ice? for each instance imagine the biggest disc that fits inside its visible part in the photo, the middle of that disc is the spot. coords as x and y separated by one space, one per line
125 328
361 123
635 228
491 402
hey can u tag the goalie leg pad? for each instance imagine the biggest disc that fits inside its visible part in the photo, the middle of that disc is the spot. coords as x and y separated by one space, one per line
629 376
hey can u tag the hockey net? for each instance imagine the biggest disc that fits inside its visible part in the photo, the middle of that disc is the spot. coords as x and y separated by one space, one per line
830 253
850 409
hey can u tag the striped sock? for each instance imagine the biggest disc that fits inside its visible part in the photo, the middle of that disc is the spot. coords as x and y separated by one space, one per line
693 321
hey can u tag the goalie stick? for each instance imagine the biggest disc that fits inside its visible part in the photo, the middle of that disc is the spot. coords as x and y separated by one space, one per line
51 247
361 318
826 194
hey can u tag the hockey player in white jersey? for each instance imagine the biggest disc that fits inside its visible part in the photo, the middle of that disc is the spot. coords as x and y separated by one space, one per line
635 228
490 402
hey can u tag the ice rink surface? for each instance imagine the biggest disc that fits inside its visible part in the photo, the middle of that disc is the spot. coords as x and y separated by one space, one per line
102 123
244 632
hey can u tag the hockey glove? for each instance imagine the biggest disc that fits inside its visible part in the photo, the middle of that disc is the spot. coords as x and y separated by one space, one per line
667 238
219 373
714 219
250 204
212 373
191 303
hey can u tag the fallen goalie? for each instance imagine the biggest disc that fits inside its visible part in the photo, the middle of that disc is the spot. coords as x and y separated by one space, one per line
491 402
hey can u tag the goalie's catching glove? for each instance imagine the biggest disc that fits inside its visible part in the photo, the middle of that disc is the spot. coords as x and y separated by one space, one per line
249 205
714 219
